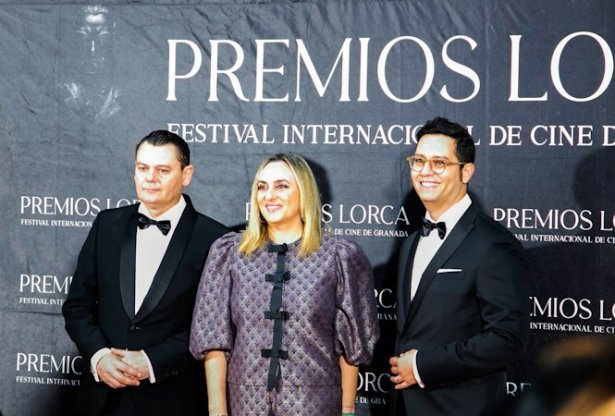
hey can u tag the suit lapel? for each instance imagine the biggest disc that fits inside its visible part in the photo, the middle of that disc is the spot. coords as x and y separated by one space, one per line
128 255
404 274
170 261
448 248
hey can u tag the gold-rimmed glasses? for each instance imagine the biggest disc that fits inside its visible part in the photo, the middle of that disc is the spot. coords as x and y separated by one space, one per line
437 165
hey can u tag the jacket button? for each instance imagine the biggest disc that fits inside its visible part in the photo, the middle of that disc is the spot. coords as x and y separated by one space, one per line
134 327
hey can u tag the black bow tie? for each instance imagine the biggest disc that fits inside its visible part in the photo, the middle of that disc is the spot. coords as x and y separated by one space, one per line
428 226
144 221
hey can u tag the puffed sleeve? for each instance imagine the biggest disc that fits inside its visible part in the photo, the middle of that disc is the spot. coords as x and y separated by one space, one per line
356 323
211 320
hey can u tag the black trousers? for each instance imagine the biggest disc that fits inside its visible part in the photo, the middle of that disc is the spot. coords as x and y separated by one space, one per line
120 403
400 408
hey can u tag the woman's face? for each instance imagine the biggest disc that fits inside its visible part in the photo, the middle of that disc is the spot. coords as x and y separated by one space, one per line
279 197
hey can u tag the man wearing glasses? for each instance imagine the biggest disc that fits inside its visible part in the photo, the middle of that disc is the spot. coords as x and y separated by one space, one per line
462 302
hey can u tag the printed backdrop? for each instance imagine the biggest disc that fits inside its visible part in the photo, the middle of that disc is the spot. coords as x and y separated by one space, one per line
346 84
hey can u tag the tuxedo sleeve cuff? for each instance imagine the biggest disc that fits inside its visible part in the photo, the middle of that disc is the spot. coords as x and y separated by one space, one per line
152 377
95 359
415 370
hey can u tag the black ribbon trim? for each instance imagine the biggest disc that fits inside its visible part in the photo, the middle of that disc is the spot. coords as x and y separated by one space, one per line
276 353
277 248
277 278
283 315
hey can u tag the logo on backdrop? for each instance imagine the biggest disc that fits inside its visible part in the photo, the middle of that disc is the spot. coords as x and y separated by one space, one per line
353 220
297 134
43 368
514 389
572 315
43 292
387 135
352 81
369 220
386 303
373 388
555 240
558 225
52 211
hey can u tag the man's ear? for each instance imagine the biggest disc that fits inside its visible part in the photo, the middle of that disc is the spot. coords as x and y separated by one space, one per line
466 172
188 171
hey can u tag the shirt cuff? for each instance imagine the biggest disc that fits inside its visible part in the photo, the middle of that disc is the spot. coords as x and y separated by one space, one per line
415 370
95 359
152 377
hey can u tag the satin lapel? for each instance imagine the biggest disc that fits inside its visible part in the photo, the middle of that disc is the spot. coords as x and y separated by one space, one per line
450 245
127 264
170 261
404 275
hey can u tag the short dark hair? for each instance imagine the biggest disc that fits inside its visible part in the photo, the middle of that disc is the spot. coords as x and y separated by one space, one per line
164 138
464 145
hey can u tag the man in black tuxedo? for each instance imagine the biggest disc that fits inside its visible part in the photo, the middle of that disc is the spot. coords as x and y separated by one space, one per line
130 303
462 302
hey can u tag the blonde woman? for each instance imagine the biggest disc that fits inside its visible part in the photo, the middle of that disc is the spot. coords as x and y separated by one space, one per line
285 313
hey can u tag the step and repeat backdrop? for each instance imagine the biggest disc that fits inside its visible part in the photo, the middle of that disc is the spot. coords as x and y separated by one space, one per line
346 84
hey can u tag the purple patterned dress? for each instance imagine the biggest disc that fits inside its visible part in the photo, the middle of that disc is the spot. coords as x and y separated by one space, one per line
331 311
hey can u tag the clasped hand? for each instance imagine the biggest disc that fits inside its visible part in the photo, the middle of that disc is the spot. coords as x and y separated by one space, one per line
122 368
402 371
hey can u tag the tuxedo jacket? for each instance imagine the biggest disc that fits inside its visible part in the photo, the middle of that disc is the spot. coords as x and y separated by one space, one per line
99 310
468 320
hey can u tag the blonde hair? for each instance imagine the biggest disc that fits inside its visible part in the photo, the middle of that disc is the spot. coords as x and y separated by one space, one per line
256 234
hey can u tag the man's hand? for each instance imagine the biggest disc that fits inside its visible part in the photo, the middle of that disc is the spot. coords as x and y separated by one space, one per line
135 359
115 373
401 370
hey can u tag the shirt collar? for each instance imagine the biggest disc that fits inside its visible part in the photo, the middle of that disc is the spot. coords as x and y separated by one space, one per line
452 215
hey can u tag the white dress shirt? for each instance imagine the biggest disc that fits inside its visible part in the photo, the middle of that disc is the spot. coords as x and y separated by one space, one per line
150 250
151 246
428 247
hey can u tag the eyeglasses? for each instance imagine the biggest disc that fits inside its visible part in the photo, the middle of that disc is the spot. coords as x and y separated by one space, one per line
417 163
